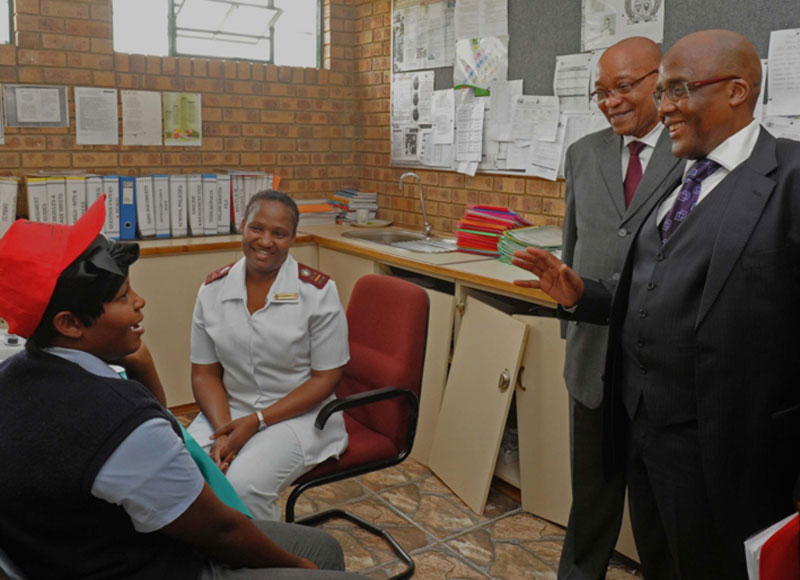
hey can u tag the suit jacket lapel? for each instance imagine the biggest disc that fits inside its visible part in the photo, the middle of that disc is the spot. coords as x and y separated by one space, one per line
750 189
661 163
610 161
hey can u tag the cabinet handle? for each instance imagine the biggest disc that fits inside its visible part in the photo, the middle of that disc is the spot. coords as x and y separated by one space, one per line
460 307
520 386
505 381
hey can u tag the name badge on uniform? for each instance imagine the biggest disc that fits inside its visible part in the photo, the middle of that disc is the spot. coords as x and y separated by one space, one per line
284 296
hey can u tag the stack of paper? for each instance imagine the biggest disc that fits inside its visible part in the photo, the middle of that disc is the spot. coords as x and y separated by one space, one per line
545 237
348 200
316 212
480 229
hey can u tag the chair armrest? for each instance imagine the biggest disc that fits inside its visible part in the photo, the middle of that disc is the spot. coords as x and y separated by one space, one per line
361 399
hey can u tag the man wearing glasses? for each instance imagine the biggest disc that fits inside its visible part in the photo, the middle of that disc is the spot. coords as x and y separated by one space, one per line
701 399
612 177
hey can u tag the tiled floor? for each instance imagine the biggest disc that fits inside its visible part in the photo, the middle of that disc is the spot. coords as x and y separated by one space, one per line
445 538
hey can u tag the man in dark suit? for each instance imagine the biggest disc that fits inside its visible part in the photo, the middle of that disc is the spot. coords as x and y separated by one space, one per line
612 176
701 403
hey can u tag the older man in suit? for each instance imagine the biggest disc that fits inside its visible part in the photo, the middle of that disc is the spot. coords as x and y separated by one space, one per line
612 176
701 401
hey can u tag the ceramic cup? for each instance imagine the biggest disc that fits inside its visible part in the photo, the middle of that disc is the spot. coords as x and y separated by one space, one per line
362 216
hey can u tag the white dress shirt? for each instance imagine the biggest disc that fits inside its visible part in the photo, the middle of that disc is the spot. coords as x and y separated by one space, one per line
650 140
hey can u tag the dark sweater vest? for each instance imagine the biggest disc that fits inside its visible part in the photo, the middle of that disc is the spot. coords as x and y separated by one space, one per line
658 348
60 425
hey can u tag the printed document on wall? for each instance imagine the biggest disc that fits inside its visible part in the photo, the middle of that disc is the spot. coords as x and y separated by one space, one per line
183 120
501 103
412 96
96 116
480 61
606 22
141 118
784 72
469 127
443 115
535 117
478 18
420 33
571 82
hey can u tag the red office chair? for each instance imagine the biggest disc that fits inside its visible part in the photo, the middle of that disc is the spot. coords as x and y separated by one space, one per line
379 392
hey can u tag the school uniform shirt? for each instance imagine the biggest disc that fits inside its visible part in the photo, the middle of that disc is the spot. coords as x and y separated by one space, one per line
268 354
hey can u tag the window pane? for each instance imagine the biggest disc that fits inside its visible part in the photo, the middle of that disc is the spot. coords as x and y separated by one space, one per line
222 47
5 22
296 33
141 26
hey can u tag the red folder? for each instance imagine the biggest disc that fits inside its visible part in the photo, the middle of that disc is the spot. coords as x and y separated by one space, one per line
780 554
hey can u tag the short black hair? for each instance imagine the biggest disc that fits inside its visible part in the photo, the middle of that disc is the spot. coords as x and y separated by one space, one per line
85 286
272 195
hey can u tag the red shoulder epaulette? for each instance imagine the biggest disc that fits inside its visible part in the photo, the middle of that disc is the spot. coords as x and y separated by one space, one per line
312 276
220 273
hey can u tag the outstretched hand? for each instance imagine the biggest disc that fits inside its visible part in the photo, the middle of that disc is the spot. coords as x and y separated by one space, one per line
555 278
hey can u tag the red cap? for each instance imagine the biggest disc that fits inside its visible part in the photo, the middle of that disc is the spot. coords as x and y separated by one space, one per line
32 257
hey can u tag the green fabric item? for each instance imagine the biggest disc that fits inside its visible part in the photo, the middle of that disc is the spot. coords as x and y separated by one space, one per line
215 479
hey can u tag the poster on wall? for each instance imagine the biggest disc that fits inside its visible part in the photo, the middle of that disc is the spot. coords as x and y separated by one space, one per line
412 100
423 34
183 121
605 22
141 118
480 61
36 106
96 116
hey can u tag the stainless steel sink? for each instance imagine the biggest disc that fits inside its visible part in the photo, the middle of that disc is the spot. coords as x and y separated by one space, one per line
404 239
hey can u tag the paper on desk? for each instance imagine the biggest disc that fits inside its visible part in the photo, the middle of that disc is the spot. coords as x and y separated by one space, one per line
784 72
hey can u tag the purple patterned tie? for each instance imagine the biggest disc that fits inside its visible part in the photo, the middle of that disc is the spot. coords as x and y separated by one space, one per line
687 198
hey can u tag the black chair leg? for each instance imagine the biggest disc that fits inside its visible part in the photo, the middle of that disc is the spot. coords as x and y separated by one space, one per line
372 528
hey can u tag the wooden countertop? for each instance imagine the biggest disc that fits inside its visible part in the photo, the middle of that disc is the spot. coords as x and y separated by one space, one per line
488 273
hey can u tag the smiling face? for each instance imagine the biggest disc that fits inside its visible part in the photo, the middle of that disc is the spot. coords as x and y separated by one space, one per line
267 234
633 113
699 122
118 331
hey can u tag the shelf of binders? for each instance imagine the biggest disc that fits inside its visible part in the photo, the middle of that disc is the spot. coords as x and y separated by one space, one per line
148 206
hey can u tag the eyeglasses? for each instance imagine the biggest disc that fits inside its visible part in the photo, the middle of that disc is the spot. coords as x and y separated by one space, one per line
601 95
681 89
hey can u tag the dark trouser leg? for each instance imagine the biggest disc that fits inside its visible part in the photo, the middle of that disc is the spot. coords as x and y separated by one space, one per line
597 505
670 510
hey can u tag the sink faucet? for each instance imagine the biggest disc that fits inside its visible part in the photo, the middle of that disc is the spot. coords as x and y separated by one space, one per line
421 199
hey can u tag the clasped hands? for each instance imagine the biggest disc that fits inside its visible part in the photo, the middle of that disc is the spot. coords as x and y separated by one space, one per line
555 278
230 438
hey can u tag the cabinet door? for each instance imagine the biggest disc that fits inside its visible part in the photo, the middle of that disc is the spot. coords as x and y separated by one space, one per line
543 422
169 283
344 269
434 375
476 401
305 254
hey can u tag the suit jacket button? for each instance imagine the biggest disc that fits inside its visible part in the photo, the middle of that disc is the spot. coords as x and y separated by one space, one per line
615 276
643 370
643 313
622 232
651 285
659 256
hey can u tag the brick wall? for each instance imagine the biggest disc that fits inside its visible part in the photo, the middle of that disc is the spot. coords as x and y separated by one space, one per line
318 129
446 193
295 122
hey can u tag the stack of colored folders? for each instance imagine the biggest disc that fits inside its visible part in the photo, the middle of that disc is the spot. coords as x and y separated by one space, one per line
544 237
480 229
316 212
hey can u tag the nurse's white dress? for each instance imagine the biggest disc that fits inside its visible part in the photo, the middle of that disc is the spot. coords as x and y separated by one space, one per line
264 357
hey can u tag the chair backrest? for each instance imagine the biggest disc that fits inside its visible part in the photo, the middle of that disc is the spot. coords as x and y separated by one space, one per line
388 324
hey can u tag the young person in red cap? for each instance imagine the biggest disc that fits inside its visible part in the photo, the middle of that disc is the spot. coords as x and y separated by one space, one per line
97 482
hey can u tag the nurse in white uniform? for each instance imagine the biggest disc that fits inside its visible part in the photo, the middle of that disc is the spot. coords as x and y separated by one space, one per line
268 344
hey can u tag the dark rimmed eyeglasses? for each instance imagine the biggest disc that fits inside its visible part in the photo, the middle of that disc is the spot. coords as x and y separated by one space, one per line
681 89
601 95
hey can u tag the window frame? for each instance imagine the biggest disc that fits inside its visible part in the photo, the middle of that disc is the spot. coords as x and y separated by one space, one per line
172 38
11 39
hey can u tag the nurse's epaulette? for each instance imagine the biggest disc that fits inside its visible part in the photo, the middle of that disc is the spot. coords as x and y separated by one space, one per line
312 276
220 273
